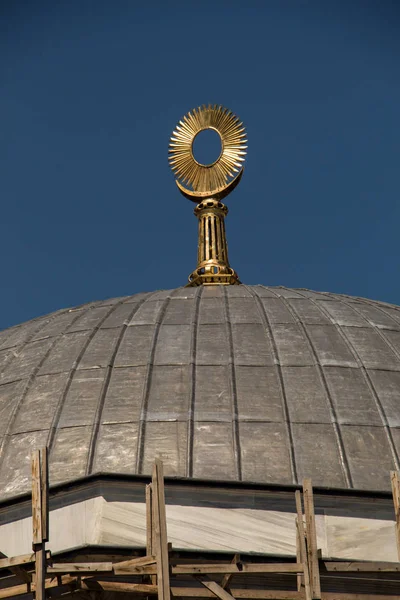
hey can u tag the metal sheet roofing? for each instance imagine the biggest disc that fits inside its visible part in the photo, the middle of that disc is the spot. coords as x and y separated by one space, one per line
245 383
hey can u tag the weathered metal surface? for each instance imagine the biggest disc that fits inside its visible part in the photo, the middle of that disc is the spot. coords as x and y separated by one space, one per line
246 383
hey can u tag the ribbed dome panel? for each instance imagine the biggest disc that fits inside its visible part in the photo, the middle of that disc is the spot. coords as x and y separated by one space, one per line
246 383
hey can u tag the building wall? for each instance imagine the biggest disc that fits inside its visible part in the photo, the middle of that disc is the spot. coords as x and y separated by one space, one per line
202 518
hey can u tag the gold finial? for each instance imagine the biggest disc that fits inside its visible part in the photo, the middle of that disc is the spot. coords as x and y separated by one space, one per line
208 185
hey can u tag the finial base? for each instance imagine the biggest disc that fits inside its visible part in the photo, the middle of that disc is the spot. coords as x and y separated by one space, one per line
213 275
212 257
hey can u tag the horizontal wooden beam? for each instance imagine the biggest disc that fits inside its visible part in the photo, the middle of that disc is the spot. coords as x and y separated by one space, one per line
117 586
237 569
18 590
15 561
94 567
77 582
23 559
215 569
120 568
15 564
365 566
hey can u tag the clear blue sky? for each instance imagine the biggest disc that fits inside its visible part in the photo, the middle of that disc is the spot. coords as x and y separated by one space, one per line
90 92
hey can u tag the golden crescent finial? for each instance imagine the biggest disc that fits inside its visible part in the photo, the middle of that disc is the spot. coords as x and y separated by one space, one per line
220 177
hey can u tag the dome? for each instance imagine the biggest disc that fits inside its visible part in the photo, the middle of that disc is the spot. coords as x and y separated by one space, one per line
242 383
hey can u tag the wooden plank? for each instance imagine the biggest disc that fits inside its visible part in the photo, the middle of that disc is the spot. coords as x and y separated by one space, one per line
15 590
22 559
149 522
215 569
57 582
88 582
305 579
312 550
243 568
395 481
44 467
95 567
216 589
299 510
40 508
126 566
40 573
303 550
365 566
160 531
13 563
300 577
228 576
36 498
302 543
107 556
150 543
118 586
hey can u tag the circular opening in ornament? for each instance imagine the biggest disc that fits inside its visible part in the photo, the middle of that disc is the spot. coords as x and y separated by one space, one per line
207 147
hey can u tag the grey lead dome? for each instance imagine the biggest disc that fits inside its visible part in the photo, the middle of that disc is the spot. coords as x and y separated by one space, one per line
250 383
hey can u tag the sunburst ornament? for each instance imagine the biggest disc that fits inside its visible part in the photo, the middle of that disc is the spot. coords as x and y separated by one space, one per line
217 179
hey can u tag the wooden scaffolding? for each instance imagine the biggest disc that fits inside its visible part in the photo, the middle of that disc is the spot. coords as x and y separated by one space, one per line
159 570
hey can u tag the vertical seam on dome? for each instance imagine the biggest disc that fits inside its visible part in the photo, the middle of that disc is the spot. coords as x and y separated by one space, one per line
147 386
192 394
106 383
267 325
15 328
371 385
12 330
32 376
382 310
374 303
20 347
379 308
335 425
57 414
235 410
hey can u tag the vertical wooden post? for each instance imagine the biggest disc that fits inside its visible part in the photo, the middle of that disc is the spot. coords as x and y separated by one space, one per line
394 477
160 531
149 521
311 531
150 544
301 549
300 577
40 517
299 520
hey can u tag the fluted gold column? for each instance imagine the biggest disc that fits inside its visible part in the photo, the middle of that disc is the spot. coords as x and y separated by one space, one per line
212 255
